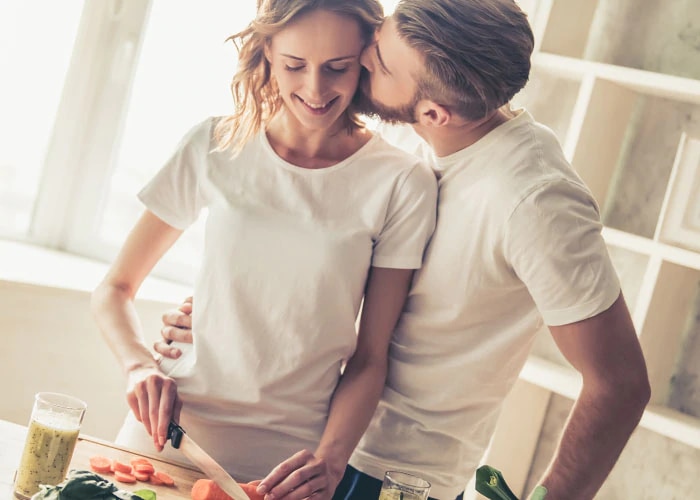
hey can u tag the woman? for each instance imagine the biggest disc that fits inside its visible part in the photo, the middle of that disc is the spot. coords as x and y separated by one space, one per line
308 213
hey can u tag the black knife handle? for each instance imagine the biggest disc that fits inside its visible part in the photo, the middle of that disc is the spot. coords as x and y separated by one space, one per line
175 433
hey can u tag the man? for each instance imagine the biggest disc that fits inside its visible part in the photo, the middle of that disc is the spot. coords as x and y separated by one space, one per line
518 242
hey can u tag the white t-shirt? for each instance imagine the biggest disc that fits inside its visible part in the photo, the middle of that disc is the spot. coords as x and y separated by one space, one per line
518 240
287 252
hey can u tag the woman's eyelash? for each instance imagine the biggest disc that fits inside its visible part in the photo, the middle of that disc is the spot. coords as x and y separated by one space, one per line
299 68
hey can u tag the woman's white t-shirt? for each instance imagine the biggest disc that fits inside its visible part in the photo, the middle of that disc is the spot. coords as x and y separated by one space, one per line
287 252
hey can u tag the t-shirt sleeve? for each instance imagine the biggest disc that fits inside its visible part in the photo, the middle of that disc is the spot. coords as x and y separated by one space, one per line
174 194
554 244
410 221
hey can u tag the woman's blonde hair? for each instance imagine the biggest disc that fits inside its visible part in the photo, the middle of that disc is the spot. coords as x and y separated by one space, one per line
255 94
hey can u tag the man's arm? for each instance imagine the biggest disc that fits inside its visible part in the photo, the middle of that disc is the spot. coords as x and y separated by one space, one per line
606 351
177 327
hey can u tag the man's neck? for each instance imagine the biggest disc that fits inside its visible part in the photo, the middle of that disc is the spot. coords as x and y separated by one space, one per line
457 135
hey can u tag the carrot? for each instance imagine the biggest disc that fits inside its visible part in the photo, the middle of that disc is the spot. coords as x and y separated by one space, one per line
121 467
140 460
144 468
123 477
100 464
165 477
206 489
155 480
142 476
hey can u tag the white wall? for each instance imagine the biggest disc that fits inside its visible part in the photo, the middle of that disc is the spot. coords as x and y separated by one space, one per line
52 344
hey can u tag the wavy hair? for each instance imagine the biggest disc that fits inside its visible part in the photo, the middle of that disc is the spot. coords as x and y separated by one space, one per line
476 52
255 94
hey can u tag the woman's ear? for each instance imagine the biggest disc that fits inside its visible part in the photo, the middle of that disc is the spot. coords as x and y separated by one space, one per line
432 114
267 51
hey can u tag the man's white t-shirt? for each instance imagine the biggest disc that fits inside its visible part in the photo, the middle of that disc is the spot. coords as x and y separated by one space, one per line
287 252
518 241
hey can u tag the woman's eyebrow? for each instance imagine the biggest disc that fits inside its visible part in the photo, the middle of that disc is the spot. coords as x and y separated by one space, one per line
335 59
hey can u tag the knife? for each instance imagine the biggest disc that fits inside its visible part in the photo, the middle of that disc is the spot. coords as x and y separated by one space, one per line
180 440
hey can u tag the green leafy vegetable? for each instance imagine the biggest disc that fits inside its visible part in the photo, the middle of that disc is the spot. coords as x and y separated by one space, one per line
145 494
84 485
490 483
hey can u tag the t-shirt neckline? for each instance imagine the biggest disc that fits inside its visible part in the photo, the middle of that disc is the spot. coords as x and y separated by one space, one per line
262 136
445 162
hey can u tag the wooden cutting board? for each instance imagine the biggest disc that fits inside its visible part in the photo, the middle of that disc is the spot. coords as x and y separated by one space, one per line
183 475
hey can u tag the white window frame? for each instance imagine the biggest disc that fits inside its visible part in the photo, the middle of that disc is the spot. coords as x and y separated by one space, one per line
82 150
88 127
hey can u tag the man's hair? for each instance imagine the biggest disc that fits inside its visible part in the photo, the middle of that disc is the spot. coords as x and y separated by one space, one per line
255 93
476 52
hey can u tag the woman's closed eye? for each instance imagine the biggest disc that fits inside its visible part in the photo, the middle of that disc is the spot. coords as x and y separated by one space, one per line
339 69
332 69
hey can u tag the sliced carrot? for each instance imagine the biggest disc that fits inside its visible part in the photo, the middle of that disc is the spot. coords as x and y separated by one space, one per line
123 477
206 489
142 476
144 468
155 480
121 467
100 464
140 460
165 477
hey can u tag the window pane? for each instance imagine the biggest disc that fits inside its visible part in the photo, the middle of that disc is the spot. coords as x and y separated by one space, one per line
35 52
183 76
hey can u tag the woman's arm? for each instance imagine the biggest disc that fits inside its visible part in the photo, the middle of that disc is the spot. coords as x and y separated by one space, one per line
151 396
355 398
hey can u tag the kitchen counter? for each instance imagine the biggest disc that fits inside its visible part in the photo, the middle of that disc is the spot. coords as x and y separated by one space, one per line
12 442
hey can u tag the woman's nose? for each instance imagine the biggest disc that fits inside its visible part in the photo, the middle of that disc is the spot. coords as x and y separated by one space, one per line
316 83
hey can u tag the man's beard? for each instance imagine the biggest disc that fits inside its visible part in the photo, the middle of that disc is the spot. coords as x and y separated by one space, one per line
367 106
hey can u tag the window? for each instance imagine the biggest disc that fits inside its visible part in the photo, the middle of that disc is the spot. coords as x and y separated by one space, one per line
95 105
34 56
182 76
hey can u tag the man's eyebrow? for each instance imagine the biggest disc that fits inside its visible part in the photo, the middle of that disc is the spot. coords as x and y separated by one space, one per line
381 61
335 59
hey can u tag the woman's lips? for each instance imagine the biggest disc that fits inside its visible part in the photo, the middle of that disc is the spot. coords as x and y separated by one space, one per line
318 109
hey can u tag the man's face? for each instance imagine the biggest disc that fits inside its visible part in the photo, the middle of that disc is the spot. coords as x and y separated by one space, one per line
388 85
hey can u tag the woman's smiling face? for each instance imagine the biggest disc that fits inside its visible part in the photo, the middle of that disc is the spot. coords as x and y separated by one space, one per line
315 62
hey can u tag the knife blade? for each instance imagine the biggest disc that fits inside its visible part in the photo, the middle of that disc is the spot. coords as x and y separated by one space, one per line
180 440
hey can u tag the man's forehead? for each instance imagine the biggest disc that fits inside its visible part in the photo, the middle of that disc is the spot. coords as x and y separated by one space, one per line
396 53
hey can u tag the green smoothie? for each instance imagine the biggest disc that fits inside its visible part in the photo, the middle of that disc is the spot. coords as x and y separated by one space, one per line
51 439
394 494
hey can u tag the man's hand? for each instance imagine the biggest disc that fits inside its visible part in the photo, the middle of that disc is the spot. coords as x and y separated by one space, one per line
153 398
303 475
177 327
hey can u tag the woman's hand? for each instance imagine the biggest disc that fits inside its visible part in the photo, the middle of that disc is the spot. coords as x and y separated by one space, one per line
154 400
303 475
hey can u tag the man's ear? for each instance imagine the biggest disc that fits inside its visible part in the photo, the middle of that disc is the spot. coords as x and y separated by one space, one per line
432 114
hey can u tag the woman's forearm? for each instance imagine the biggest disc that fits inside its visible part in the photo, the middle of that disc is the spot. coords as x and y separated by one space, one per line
114 311
353 404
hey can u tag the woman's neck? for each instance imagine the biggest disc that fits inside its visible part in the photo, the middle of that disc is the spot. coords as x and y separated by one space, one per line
313 148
